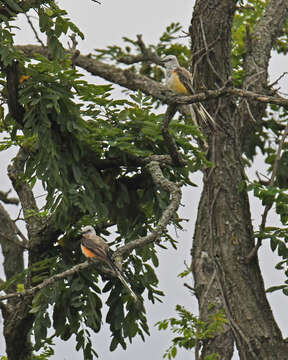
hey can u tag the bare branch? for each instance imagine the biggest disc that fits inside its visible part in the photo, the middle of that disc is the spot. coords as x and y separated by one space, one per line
34 30
6 200
74 42
278 79
14 240
175 193
169 140
146 55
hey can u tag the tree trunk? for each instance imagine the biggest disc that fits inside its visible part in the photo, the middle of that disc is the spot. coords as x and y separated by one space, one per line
223 234
17 320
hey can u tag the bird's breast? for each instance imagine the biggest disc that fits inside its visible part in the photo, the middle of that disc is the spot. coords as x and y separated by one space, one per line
175 85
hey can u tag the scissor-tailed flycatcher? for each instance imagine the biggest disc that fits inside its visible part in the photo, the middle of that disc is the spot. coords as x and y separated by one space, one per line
95 248
179 80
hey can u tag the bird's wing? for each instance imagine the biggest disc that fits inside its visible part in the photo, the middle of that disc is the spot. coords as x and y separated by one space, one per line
185 78
97 250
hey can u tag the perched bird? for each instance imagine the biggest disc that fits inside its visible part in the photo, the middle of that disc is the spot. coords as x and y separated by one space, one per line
95 248
179 80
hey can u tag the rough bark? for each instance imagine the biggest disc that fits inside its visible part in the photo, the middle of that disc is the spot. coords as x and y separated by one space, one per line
223 234
259 44
17 320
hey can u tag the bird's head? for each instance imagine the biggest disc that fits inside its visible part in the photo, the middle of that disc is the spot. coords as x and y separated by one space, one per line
87 230
170 61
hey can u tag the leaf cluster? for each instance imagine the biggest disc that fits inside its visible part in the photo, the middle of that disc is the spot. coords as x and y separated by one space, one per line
189 330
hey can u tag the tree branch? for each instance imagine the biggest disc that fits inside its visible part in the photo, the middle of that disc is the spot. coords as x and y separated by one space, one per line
259 46
26 196
169 140
47 282
146 55
12 249
130 80
159 180
267 208
175 193
34 30
6 200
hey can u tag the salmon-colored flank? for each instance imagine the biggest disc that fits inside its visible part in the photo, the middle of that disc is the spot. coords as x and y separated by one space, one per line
88 253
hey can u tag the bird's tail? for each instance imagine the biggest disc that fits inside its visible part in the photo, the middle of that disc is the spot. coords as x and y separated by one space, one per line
204 114
193 115
124 282
121 277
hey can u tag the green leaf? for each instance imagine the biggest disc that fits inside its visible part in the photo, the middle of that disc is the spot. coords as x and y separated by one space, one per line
13 5
114 344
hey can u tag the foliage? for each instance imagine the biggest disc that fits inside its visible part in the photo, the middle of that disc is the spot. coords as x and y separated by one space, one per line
70 128
278 236
190 330
263 134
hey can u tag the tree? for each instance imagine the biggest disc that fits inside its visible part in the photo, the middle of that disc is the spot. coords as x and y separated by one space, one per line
119 165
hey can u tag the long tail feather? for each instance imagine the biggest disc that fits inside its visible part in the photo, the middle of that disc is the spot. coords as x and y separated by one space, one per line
124 282
206 117
193 115
121 277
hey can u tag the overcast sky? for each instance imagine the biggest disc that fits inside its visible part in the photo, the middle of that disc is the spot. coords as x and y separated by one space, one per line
104 25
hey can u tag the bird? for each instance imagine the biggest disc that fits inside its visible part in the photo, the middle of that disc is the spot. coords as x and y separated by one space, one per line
95 248
179 80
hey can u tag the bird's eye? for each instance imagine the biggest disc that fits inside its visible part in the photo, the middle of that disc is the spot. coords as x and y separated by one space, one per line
86 231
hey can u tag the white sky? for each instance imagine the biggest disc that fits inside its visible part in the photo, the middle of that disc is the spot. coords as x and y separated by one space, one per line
104 25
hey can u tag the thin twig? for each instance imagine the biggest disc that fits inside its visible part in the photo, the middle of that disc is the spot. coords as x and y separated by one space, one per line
4 197
14 240
278 79
249 111
175 193
34 30
146 55
168 138
47 282
74 42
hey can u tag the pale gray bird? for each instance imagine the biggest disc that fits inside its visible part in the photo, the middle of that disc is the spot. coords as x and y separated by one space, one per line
95 248
179 80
